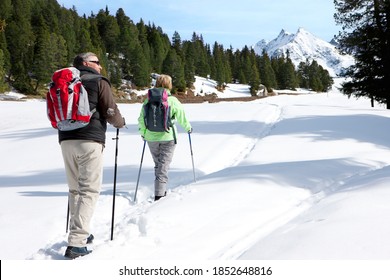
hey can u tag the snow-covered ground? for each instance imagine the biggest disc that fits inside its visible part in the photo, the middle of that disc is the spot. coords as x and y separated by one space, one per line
301 177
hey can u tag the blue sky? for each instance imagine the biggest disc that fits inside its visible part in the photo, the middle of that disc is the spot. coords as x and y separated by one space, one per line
229 22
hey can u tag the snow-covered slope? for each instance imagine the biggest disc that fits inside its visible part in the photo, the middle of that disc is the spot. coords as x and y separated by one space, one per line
304 45
286 177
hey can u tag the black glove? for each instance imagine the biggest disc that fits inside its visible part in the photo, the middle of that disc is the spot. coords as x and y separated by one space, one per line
190 131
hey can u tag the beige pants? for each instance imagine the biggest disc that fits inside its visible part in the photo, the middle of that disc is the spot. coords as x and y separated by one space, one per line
83 165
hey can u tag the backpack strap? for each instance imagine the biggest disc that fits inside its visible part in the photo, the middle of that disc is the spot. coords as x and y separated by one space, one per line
172 126
90 77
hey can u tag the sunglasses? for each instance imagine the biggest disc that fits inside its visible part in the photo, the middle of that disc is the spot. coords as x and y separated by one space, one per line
97 62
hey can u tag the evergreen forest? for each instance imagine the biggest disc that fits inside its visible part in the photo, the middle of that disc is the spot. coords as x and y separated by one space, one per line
38 37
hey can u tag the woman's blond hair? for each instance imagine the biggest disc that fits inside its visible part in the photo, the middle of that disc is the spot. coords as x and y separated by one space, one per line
164 81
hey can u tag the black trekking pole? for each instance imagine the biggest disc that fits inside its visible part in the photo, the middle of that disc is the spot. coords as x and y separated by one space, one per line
67 218
114 189
139 171
192 156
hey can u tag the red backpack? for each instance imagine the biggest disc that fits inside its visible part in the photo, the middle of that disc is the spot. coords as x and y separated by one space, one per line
67 100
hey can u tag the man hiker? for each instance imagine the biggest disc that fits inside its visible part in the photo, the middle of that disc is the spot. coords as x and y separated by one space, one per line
82 151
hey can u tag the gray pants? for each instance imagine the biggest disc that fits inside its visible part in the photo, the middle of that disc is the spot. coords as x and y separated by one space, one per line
162 153
83 165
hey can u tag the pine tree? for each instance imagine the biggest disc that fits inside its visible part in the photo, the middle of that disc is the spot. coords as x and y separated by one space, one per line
50 10
5 13
84 40
366 35
230 60
201 54
67 19
254 80
177 44
114 71
313 76
220 71
326 79
159 47
246 65
20 43
290 74
127 40
98 45
268 77
140 67
189 63
108 30
42 67
236 66
4 49
143 39
3 85
173 66
5 16
303 74
50 54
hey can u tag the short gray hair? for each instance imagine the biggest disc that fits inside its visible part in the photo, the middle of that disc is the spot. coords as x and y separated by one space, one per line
80 58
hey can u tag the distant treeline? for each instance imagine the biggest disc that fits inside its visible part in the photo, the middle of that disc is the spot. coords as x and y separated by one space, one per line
39 36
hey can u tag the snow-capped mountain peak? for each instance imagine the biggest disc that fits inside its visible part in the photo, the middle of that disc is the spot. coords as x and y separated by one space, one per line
302 46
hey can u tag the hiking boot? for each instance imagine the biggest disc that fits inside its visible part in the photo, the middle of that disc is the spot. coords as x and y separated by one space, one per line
157 197
90 239
75 252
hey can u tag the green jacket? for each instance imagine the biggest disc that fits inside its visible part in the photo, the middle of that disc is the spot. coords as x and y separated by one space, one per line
176 113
